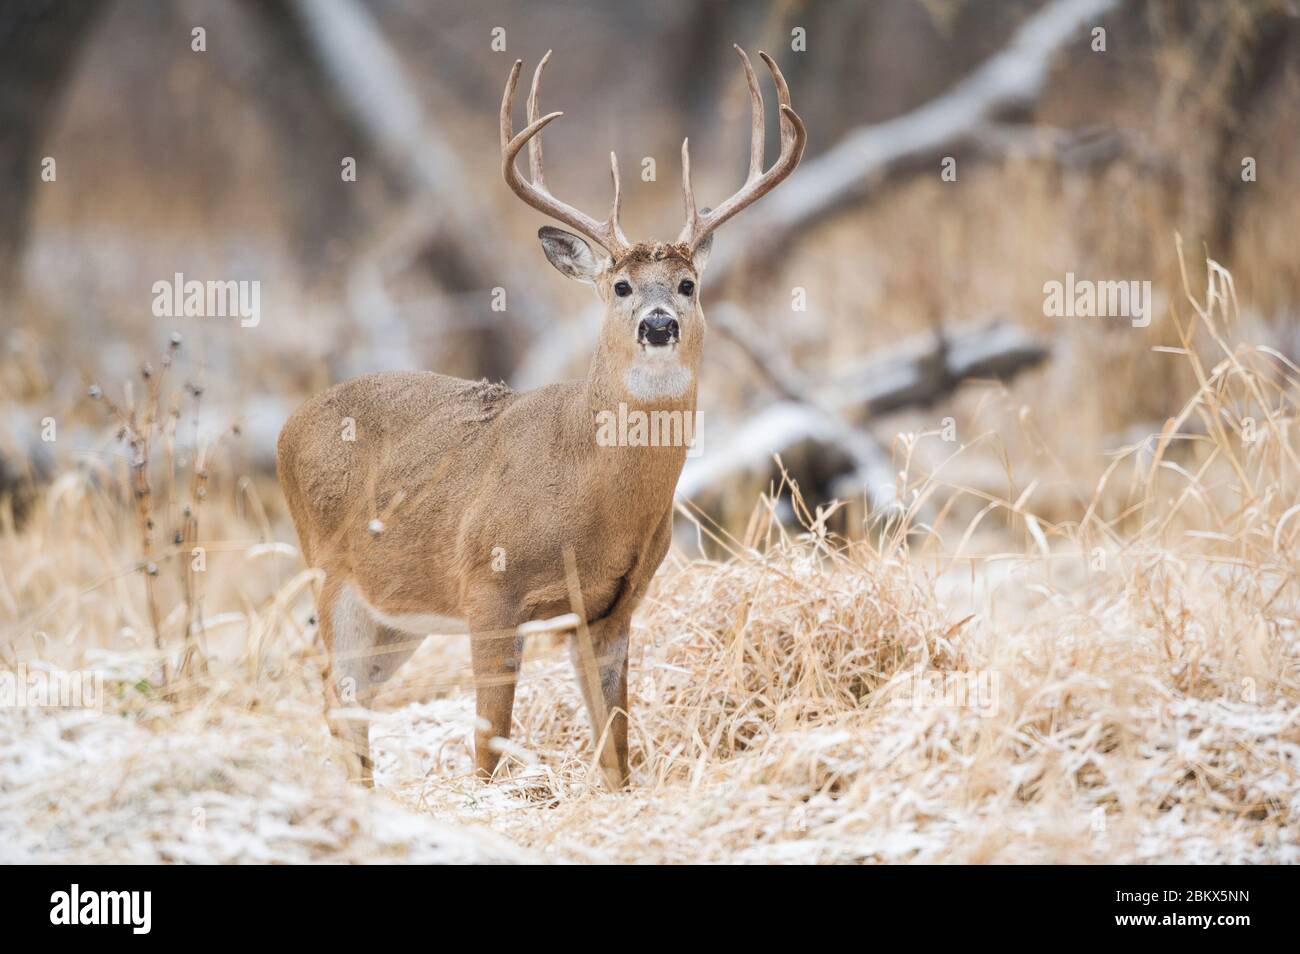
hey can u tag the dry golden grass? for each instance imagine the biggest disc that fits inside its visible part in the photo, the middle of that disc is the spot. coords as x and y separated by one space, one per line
1139 662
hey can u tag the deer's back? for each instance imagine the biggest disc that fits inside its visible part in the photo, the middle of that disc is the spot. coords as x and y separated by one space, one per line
344 454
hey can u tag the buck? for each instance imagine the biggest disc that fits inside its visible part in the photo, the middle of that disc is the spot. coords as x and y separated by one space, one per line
464 506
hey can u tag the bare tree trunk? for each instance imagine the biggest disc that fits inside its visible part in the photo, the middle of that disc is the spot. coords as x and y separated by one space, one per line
362 81
40 41
1261 62
315 133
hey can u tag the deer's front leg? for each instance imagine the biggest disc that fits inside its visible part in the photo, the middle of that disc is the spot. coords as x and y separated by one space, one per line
608 706
495 651
603 678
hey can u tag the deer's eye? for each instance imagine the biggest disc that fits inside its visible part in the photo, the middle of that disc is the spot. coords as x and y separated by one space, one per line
686 287
622 289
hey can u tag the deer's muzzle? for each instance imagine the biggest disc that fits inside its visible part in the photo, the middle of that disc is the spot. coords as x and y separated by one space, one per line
658 328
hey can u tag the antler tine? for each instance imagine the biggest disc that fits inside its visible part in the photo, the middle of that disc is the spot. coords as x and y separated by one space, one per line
507 103
536 169
782 98
687 190
794 137
757 130
534 192
618 200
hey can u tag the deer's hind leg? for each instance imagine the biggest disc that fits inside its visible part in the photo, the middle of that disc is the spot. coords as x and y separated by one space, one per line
364 653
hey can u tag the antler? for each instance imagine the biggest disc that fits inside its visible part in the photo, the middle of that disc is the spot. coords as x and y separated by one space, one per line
608 233
758 183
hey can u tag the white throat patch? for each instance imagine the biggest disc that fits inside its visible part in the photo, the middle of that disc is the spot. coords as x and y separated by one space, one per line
655 378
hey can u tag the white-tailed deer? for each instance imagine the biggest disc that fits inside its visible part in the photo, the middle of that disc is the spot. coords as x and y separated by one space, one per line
438 505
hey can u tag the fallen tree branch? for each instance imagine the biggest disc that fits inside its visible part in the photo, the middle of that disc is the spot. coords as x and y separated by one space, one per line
918 371
869 459
908 376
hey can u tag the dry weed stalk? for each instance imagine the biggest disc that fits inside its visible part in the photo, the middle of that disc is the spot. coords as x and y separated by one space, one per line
147 425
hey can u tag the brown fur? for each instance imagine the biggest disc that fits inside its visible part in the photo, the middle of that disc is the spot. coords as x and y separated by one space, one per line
653 252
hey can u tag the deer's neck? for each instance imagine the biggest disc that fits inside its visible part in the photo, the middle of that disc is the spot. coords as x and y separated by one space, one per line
644 383
644 418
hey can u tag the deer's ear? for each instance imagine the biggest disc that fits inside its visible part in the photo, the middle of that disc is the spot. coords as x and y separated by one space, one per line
701 257
570 254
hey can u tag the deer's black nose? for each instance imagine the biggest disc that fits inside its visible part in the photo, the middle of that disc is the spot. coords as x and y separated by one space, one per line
658 328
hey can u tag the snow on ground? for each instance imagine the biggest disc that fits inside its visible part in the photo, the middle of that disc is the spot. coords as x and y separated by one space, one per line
79 786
